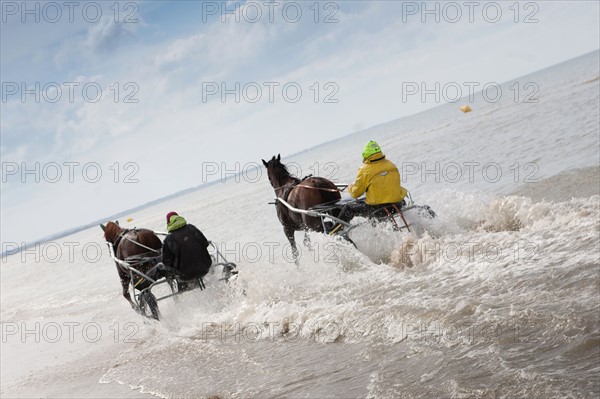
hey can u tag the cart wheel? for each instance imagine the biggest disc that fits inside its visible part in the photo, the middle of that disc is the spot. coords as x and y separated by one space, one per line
148 305
173 285
174 289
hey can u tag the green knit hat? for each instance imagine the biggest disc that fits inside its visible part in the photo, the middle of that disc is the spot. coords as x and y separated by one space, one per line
371 148
176 222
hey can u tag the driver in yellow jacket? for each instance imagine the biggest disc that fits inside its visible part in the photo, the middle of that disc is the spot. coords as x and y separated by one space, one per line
378 177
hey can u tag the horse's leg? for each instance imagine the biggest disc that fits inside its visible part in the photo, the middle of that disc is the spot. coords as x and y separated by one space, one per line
289 233
125 285
307 239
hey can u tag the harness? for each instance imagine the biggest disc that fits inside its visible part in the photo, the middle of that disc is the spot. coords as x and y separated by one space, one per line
135 259
287 189
121 236
286 192
142 245
298 183
118 239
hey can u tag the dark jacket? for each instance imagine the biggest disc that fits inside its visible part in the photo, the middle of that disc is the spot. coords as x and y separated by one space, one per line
185 249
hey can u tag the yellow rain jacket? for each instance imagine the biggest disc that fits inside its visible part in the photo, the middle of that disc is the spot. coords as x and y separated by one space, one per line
380 179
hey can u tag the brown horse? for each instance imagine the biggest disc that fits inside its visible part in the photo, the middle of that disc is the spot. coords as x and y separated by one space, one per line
141 243
301 194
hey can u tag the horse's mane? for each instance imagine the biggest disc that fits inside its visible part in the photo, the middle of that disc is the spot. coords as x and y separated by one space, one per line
281 172
111 231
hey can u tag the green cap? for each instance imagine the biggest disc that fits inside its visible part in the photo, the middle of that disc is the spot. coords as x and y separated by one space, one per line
371 148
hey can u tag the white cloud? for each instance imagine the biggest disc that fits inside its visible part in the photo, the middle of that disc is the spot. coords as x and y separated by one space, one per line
179 49
107 35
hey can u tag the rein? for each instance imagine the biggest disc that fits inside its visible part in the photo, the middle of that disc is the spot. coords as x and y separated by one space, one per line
299 184
331 190
123 235
288 187
141 245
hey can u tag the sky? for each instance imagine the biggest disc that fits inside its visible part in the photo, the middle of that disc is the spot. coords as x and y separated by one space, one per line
109 105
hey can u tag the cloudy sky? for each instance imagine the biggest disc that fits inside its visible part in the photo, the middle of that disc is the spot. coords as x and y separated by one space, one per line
106 106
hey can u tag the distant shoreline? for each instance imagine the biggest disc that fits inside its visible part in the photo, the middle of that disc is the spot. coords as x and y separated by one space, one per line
578 183
66 233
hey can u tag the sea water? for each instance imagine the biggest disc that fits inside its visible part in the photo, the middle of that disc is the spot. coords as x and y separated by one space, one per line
497 297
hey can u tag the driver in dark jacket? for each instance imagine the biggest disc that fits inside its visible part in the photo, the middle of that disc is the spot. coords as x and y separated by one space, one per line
185 249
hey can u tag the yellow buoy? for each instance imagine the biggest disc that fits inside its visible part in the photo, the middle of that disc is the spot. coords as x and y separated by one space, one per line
465 108
129 219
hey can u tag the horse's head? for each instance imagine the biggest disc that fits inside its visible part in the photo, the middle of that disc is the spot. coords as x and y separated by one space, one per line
276 171
111 231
